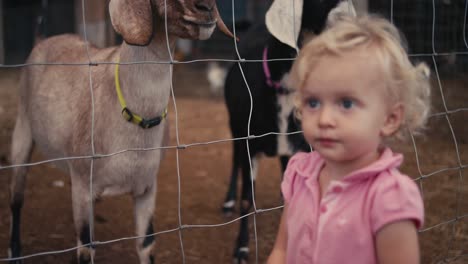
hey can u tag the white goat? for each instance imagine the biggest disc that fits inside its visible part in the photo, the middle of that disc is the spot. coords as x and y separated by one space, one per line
55 111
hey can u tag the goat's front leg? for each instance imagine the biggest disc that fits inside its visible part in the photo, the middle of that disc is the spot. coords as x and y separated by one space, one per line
81 199
21 149
144 211
231 196
241 252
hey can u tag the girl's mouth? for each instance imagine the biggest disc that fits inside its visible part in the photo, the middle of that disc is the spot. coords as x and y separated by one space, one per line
326 142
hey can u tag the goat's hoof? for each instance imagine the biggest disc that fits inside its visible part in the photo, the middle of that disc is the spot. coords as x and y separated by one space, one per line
100 219
14 252
228 208
84 259
228 211
241 256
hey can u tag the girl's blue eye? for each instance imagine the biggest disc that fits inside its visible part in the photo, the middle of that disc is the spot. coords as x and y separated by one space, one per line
347 103
313 103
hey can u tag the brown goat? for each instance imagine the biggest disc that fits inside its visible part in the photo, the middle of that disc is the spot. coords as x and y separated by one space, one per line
55 112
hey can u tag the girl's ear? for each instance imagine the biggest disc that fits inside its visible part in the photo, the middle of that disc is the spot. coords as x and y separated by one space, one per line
393 120
133 20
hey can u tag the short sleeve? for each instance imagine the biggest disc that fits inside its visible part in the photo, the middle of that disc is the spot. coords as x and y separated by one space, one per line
290 175
396 198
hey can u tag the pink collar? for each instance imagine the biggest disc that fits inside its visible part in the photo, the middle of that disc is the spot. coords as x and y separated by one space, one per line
266 70
311 164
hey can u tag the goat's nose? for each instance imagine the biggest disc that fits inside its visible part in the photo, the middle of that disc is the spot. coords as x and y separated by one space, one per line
204 7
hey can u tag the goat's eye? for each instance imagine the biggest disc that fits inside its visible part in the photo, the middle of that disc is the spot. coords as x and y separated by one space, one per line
347 103
313 102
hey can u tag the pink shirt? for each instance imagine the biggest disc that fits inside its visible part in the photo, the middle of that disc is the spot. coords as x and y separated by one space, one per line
342 226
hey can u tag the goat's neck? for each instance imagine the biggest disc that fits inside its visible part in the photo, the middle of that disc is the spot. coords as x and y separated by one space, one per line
146 87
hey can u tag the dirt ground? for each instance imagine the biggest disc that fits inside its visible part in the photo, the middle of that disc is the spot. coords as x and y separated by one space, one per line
202 117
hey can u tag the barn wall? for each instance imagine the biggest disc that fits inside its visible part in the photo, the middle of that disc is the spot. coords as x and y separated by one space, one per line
98 27
26 21
2 46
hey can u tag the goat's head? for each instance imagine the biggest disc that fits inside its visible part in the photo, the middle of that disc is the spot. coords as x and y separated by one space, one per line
194 19
319 13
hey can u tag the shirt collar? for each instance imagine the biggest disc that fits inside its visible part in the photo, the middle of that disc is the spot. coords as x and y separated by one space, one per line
387 161
311 165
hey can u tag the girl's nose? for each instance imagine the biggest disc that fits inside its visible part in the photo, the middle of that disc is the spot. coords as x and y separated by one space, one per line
326 117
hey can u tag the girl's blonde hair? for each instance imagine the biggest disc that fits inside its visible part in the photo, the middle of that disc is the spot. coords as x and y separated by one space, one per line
405 83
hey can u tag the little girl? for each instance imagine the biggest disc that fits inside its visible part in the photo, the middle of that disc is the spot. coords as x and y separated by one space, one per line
347 202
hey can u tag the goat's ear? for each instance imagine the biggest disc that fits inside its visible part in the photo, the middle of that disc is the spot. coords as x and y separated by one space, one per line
281 17
344 8
133 19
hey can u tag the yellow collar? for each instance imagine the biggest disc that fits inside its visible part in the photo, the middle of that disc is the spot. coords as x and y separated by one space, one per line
132 117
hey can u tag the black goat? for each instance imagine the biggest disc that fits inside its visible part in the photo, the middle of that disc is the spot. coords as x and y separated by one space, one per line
272 109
